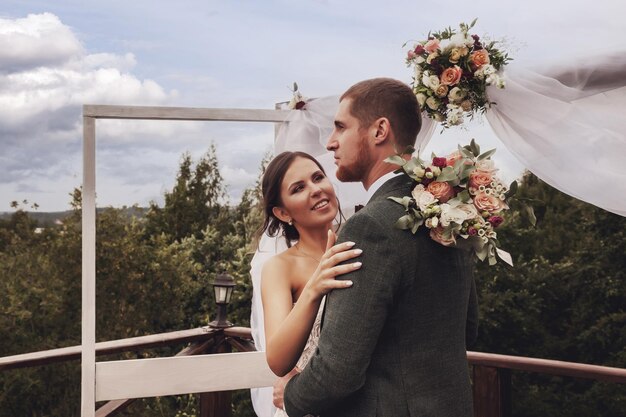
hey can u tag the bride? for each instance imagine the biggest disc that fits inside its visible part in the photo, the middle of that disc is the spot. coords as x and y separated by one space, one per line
300 204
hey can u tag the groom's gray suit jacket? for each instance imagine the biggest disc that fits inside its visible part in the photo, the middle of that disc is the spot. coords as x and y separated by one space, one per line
394 344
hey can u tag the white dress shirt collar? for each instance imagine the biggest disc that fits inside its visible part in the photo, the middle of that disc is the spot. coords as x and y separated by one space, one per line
379 182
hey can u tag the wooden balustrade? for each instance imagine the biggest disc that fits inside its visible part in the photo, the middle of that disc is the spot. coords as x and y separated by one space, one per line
491 373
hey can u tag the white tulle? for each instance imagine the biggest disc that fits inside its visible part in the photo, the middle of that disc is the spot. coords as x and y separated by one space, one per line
564 122
567 127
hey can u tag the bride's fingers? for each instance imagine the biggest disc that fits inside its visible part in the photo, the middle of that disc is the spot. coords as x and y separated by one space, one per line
331 238
337 249
342 269
343 256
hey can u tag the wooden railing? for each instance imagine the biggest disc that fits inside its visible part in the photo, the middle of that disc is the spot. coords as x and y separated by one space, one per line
491 373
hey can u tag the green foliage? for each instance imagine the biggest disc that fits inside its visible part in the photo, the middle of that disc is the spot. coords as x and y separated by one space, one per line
563 300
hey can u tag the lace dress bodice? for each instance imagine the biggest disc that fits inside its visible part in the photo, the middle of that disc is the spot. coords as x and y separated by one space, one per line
309 348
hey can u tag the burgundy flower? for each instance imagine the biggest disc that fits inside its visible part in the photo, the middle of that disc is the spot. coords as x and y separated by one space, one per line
419 49
495 221
300 105
440 162
472 232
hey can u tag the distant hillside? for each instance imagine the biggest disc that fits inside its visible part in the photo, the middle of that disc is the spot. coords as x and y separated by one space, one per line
47 219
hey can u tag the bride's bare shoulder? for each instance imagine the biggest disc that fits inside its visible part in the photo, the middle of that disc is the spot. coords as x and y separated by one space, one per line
279 267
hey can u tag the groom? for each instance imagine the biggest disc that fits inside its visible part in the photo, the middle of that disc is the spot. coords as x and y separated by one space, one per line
395 343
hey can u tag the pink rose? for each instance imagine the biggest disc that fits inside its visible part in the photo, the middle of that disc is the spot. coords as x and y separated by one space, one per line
432 45
441 190
479 58
486 165
410 55
439 162
478 178
489 203
495 221
451 76
453 157
436 234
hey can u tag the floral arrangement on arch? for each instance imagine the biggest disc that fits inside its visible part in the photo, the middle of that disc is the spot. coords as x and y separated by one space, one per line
298 101
459 198
452 71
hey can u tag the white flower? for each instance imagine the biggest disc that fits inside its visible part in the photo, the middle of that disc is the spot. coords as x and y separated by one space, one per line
456 94
417 191
435 170
419 59
500 84
455 114
432 102
451 214
421 99
430 81
461 39
469 209
418 73
425 199
431 222
419 172
486 165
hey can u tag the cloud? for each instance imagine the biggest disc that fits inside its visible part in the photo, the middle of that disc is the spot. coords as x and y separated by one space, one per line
46 77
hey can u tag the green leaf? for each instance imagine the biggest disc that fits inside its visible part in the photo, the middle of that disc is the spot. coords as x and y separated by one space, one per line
405 222
512 190
447 174
474 147
486 154
396 159
295 87
404 201
467 153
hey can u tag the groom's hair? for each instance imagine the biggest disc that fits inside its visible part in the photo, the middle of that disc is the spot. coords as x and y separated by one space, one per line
386 97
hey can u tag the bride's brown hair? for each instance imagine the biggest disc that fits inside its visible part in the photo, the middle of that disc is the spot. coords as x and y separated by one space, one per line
270 188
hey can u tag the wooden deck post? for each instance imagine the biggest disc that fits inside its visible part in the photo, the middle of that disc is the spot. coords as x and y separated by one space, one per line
492 391
217 404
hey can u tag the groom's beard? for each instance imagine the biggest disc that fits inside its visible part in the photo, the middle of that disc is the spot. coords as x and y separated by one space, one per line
358 170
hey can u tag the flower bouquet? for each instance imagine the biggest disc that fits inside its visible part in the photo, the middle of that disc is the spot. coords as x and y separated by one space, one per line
459 198
452 72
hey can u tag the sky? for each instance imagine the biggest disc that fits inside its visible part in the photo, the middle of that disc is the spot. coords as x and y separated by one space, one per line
57 55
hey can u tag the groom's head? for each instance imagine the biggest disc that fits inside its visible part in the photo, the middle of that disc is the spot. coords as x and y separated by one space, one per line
376 118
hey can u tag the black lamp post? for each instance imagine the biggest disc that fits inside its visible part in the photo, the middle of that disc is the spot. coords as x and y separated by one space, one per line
223 287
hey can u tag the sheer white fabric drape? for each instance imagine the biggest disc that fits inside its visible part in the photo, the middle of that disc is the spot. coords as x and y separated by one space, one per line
567 126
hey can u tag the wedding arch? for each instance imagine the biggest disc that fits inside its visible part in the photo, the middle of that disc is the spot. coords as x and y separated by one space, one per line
561 123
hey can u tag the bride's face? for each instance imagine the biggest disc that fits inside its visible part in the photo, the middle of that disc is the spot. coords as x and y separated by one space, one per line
307 195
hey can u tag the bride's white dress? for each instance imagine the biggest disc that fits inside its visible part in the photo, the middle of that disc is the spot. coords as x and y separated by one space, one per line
309 349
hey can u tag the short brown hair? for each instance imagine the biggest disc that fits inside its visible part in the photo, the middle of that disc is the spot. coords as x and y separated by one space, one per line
386 97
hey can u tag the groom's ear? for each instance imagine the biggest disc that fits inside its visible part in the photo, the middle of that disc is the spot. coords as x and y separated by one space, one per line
381 129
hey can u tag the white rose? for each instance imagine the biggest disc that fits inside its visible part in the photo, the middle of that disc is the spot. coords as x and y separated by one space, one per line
417 191
451 214
432 102
419 59
424 200
430 81
456 94
469 209
486 165
418 73
421 99
461 39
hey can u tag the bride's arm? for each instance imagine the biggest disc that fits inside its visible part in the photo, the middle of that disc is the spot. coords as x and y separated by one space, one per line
287 329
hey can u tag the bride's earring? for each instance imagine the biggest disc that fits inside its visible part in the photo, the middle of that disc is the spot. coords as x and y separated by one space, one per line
290 222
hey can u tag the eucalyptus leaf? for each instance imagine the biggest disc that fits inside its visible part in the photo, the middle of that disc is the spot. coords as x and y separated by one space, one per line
467 153
486 154
404 201
475 147
405 222
447 174
396 159
512 190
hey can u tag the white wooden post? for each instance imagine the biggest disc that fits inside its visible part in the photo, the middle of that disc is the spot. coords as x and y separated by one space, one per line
88 343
